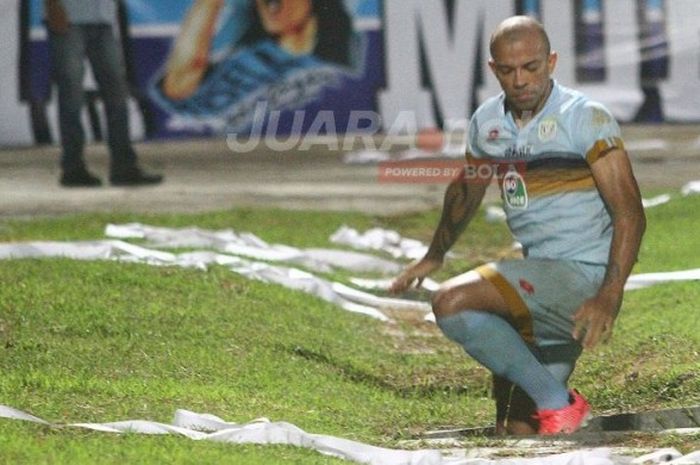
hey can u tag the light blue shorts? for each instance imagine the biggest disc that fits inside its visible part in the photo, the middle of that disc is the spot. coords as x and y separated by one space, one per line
544 294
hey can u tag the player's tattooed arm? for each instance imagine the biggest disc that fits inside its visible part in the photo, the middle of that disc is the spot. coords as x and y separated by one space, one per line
462 200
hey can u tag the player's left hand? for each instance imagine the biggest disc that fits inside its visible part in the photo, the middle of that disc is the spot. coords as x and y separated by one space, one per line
594 320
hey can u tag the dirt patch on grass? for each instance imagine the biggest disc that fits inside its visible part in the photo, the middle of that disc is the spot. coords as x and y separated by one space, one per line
412 334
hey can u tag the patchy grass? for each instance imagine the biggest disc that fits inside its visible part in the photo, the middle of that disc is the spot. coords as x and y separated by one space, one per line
101 341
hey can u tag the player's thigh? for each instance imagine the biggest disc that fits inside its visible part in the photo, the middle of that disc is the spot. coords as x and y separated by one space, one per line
468 291
552 291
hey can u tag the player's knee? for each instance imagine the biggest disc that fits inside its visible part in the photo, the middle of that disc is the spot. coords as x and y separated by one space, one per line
438 302
444 302
461 327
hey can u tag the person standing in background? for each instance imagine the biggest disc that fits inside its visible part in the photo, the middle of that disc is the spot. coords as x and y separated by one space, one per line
79 30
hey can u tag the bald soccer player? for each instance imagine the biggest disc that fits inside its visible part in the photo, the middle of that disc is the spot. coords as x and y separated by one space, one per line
572 201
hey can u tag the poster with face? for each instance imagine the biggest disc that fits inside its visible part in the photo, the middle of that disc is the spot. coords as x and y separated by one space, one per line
274 63
217 67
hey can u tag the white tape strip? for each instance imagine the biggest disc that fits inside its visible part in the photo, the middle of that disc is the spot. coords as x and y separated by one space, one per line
639 281
659 456
293 278
380 239
692 187
250 246
14 414
347 298
211 428
656 201
380 302
207 427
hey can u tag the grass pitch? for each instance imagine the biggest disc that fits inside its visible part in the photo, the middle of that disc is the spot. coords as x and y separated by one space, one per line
97 342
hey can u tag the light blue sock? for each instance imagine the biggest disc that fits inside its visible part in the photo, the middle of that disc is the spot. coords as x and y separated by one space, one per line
494 343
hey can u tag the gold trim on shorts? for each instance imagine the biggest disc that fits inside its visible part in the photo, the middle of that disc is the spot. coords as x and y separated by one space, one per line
519 312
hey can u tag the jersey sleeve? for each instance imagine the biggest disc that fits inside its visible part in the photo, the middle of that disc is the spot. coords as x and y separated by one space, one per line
596 131
473 148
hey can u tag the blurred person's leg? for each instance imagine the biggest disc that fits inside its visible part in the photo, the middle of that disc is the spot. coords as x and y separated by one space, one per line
109 70
67 53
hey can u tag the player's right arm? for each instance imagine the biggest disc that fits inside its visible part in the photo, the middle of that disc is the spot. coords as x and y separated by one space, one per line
189 57
461 202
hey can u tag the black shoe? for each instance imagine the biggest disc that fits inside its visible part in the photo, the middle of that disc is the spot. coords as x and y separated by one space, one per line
79 178
134 177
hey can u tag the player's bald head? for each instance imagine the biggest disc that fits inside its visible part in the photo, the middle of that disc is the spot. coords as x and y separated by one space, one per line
518 28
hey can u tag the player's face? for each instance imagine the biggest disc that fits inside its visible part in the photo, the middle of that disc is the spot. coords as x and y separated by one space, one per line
523 69
281 17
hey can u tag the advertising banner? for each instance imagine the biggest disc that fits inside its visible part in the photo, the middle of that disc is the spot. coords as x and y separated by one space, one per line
201 68
325 67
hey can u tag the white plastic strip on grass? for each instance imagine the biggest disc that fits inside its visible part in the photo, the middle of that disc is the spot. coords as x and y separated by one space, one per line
495 214
656 201
84 250
384 284
693 187
250 246
300 280
638 281
347 298
379 302
382 240
207 427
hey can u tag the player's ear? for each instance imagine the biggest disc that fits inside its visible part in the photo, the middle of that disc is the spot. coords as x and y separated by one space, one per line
552 61
492 65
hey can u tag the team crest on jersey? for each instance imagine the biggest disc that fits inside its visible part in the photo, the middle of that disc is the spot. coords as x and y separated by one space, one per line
600 118
547 130
515 190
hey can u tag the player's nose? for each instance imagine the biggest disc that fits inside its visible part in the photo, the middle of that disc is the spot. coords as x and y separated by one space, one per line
518 79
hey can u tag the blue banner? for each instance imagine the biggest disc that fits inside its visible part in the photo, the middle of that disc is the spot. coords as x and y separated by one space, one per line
221 67
204 68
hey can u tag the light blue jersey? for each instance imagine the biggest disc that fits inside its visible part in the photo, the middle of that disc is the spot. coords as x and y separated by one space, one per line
550 197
